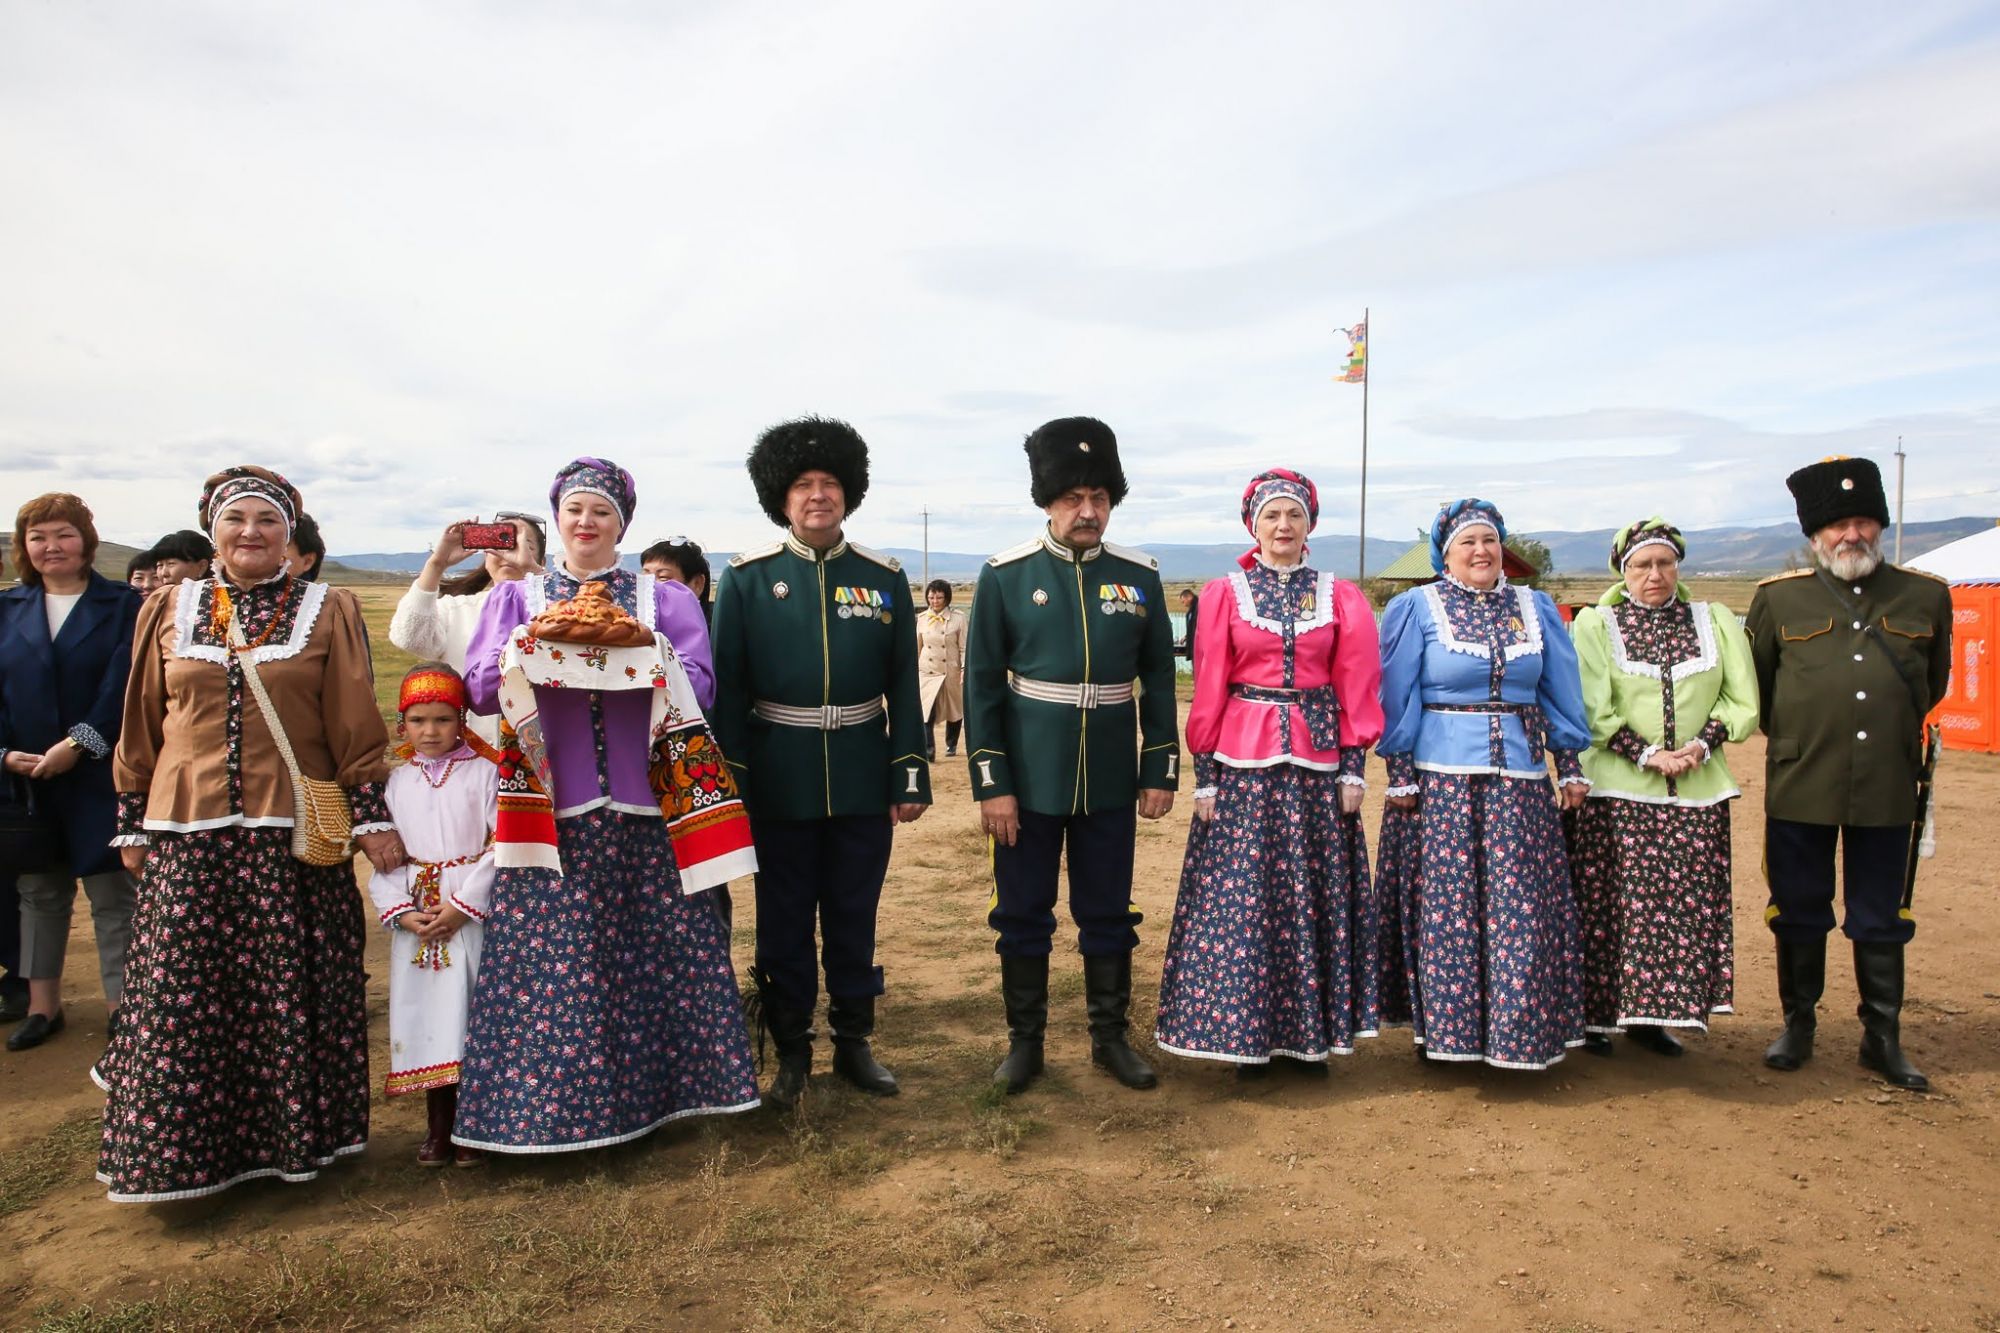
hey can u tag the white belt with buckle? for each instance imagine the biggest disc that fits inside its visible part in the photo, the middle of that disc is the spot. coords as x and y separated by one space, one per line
830 718
1086 695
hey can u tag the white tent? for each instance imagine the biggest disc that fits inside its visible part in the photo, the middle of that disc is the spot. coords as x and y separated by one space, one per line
1974 559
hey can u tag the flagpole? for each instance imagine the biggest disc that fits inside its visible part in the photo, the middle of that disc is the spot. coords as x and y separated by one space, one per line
1367 373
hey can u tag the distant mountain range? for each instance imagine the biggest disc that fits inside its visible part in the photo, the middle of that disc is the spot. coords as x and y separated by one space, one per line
1710 551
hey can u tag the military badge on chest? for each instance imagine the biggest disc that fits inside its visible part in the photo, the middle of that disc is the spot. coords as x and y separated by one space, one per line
861 604
1115 599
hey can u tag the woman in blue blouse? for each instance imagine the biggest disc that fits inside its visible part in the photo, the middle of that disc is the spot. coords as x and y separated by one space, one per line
1479 685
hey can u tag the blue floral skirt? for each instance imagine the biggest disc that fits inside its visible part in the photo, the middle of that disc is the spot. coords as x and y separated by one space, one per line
1272 950
1480 951
606 1005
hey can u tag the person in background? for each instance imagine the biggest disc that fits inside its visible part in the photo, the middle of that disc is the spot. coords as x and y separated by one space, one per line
815 641
1272 951
141 572
186 554
1852 654
1480 952
307 549
1667 681
1070 738
941 667
1191 611
445 800
65 651
437 617
242 1048
681 560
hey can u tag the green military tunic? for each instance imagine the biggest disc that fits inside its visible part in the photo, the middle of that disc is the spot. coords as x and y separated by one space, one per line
1050 614
1845 729
800 628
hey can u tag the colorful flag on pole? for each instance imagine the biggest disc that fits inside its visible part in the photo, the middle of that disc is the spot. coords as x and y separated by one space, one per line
1357 354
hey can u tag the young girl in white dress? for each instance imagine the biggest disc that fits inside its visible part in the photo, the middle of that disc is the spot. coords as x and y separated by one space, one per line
444 800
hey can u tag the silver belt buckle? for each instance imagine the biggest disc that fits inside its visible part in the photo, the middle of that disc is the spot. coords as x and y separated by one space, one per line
829 717
1086 695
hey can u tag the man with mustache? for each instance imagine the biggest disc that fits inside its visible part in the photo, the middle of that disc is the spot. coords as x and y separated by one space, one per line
1852 654
1070 732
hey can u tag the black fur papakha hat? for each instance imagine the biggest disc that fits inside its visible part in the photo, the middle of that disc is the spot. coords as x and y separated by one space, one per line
805 445
1837 488
1072 452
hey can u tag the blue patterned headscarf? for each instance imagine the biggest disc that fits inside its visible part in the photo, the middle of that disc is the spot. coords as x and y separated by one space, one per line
1457 516
600 477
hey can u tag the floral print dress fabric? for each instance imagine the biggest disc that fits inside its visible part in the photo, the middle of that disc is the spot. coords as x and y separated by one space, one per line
1272 948
241 1049
606 1004
1653 880
1480 948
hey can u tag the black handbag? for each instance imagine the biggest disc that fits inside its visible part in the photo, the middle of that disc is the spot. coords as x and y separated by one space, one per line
27 840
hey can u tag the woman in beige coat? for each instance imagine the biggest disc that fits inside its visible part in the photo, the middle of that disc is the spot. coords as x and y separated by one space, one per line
941 666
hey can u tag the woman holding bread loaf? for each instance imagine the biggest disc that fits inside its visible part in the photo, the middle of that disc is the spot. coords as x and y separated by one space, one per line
606 1004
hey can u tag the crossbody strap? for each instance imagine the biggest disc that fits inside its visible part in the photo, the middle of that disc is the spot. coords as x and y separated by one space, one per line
270 712
1868 628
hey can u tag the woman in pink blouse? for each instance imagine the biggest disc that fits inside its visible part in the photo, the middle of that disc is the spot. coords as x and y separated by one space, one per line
1274 934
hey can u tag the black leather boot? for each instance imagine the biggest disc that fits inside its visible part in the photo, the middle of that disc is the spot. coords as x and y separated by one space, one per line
1024 987
852 1022
1107 993
1878 975
791 1032
1801 981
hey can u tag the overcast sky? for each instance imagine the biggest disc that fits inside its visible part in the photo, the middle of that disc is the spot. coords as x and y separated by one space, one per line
1620 257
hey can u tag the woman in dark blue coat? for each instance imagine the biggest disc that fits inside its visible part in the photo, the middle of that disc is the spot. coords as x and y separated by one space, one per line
65 650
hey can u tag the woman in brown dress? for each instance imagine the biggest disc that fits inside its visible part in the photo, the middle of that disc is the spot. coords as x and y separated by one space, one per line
242 1047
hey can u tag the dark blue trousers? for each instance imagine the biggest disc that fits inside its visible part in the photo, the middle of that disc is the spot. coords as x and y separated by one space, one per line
1798 861
826 872
1023 909
13 984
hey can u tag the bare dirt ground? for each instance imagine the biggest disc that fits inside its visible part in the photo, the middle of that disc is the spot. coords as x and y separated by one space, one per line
1605 1194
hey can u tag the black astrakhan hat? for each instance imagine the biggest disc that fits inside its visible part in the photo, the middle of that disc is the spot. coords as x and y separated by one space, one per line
1837 488
805 445
1072 452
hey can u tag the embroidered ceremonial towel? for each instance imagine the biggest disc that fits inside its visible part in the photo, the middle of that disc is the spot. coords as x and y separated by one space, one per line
697 795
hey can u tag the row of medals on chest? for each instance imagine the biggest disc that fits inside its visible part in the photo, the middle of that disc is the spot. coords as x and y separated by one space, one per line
781 590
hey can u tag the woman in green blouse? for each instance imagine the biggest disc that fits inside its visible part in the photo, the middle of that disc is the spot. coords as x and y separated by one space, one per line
1666 682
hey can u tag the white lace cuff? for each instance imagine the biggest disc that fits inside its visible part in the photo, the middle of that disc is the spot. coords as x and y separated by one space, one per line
380 826
131 840
1706 753
1407 789
1205 793
1352 780
1646 755
1584 783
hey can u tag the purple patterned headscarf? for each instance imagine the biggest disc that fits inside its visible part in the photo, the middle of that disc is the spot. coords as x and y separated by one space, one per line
600 477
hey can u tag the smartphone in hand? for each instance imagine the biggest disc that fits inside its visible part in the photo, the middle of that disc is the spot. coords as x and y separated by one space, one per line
488 536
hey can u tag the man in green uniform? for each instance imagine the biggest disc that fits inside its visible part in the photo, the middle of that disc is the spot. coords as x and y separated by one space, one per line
815 641
1069 725
1852 654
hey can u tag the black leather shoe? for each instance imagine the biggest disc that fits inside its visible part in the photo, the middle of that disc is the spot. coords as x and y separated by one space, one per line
1801 981
1596 1043
13 1008
1107 993
1878 974
1655 1039
34 1030
1024 988
852 1021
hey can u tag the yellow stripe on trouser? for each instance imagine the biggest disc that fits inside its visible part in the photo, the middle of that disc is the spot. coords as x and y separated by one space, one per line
992 873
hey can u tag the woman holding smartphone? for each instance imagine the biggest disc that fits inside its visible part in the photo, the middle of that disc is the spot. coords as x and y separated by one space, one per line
437 615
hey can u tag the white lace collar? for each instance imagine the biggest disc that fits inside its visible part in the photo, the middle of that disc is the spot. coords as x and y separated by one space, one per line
1524 602
1322 612
188 603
